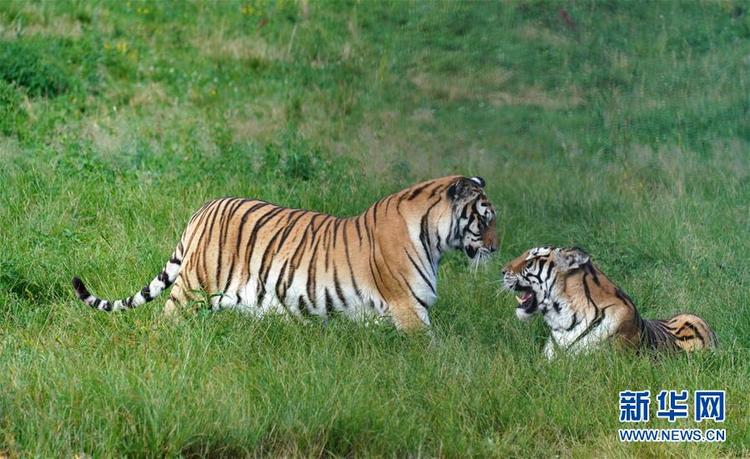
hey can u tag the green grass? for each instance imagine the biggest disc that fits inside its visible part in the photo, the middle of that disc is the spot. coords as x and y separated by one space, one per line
622 127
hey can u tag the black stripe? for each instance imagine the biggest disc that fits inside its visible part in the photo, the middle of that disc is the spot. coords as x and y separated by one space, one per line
590 268
356 226
221 210
422 274
573 322
290 227
540 269
695 330
374 270
337 287
416 191
435 191
302 306
210 213
419 300
281 286
424 238
687 338
243 221
351 269
311 270
298 252
236 252
329 303
262 221
336 224
623 297
203 214
587 291
227 213
265 268
327 241
465 211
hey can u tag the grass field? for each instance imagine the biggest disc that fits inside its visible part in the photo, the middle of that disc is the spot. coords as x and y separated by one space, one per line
622 127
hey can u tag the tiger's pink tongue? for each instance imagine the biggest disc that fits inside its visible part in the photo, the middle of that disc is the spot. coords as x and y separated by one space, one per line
522 299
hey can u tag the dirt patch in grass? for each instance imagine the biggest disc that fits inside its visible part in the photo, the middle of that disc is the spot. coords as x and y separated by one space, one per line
148 94
460 87
492 88
569 97
540 35
257 123
48 26
156 126
252 48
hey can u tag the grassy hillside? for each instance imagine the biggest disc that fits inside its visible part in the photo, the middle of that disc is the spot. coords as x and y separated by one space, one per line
622 127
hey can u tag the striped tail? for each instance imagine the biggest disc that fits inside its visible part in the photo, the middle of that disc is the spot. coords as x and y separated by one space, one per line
685 332
148 293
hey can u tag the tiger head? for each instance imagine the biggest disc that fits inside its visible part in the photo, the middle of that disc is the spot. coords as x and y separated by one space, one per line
472 227
538 276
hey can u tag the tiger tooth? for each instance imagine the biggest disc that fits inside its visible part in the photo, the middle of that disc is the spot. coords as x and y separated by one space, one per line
518 298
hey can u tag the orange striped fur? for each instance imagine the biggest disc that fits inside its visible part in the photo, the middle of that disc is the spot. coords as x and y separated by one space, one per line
258 257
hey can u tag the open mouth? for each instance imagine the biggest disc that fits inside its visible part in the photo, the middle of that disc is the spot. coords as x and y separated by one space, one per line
526 299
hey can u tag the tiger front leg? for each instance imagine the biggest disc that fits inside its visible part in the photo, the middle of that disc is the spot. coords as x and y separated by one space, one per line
408 315
550 349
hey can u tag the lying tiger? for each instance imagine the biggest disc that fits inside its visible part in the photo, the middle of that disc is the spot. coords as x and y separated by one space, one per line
258 257
584 308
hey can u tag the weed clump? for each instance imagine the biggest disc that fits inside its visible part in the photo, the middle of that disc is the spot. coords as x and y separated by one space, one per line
32 66
293 159
12 115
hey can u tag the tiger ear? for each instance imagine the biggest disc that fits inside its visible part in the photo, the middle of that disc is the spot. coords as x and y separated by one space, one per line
570 259
479 181
465 187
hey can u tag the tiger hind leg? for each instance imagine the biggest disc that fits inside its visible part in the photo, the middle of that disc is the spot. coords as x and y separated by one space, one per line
177 300
171 307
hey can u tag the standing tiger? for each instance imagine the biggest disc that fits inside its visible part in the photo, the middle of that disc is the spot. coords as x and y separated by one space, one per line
259 257
584 308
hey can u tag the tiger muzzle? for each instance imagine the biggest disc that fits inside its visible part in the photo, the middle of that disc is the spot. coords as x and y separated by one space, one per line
525 296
